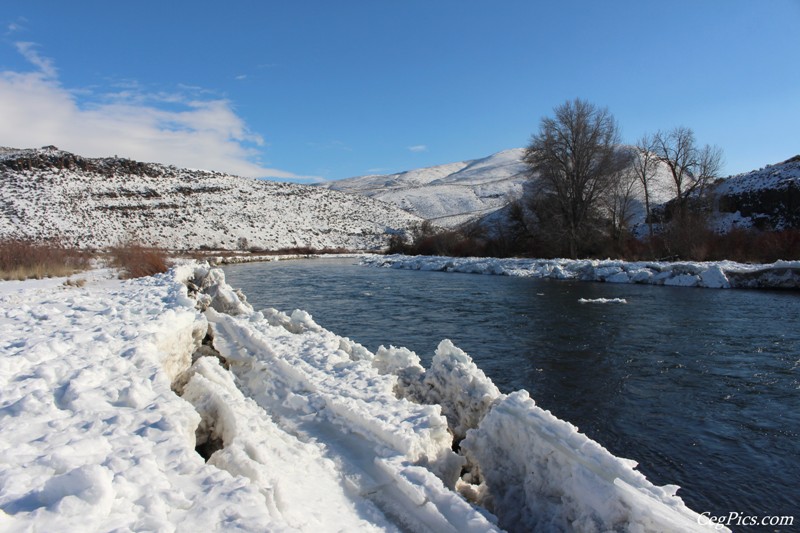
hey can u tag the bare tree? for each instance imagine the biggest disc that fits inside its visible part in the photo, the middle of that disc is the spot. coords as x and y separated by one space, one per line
692 168
575 157
644 166
619 200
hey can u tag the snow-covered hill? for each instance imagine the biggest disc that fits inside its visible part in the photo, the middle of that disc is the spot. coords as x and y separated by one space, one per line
48 193
450 194
768 198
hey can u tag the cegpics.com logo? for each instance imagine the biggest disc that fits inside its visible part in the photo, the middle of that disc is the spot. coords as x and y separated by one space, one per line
740 519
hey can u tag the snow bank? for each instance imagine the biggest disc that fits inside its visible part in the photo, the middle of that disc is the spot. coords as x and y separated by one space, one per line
715 275
93 437
169 404
541 474
459 386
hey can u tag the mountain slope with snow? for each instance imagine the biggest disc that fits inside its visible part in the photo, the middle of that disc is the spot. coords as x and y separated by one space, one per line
768 198
450 194
48 193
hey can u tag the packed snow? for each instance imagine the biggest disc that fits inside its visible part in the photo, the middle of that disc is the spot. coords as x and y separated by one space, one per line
170 404
715 275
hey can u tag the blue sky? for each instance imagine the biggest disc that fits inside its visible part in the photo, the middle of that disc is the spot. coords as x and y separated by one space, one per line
308 90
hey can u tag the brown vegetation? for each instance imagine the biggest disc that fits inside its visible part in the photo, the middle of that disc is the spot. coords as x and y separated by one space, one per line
136 260
685 239
24 259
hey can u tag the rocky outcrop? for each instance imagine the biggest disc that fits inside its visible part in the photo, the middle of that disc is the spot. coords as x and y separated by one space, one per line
768 198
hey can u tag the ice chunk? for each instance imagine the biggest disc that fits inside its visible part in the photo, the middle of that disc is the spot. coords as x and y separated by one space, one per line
460 387
541 474
602 300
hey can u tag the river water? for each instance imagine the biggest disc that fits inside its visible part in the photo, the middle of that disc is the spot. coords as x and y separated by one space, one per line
700 386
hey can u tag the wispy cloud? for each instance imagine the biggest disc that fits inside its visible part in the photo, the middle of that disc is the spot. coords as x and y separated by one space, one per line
418 148
44 64
183 128
16 26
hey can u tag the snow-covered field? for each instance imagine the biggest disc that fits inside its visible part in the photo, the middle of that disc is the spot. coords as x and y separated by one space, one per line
716 275
107 391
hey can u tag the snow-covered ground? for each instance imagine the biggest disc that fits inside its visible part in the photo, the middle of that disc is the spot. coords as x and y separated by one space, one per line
107 390
716 274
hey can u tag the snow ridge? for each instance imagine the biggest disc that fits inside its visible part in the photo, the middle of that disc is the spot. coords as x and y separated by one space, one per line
48 193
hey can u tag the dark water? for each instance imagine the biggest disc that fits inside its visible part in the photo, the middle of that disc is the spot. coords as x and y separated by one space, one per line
700 386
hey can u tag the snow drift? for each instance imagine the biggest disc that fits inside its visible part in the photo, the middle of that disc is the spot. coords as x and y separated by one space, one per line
169 403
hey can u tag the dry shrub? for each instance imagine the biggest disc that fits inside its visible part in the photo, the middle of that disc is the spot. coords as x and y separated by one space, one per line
137 261
24 259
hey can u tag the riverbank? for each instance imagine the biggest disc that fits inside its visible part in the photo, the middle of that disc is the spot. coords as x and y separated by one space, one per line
714 275
168 403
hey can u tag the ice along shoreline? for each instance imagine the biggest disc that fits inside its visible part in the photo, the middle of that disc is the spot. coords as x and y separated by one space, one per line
713 275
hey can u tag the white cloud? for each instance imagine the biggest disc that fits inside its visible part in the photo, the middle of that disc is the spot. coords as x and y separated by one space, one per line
418 148
44 64
194 132
17 26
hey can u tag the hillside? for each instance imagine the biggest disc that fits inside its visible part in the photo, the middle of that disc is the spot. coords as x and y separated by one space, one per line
478 190
450 194
768 198
48 193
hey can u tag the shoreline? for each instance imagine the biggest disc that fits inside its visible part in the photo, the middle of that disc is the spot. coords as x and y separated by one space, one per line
783 275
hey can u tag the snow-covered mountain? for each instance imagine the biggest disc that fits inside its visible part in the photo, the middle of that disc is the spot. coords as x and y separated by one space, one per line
450 194
49 193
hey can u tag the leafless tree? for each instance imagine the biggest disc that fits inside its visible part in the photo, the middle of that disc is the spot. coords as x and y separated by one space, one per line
692 168
575 157
619 199
645 165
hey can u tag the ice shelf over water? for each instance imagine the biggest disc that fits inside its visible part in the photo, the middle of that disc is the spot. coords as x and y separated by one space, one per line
169 404
714 275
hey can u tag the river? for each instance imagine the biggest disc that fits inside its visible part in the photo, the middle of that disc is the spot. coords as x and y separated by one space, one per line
700 386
